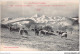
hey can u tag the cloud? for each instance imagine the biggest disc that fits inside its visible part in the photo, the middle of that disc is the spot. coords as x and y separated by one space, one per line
71 8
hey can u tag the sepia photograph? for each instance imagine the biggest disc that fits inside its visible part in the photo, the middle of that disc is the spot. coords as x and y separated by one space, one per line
39 25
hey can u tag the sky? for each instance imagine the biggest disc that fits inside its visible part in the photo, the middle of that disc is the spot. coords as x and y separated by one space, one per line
20 8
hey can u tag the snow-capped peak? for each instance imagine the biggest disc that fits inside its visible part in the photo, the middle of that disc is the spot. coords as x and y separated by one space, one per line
36 15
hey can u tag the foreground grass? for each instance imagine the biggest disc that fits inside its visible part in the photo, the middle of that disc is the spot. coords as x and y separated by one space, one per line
41 43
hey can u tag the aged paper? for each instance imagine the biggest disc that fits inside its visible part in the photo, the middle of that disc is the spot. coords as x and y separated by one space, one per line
37 25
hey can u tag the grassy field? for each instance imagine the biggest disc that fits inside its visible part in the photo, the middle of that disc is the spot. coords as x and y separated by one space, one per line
41 43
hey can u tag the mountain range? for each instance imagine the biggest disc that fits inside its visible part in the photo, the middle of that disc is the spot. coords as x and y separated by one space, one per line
56 20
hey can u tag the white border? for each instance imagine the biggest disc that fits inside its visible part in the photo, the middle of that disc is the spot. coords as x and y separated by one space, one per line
42 52
39 52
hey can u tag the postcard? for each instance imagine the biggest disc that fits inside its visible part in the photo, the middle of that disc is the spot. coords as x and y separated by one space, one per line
39 25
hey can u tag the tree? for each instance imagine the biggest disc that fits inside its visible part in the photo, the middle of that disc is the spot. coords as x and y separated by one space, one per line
48 28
